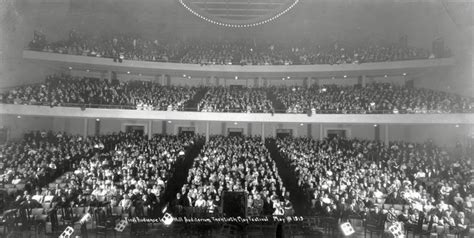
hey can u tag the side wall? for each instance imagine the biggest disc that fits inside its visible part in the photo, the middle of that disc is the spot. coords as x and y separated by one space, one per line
444 135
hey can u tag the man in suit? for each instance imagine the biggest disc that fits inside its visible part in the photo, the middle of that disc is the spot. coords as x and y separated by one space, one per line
187 201
177 204
319 206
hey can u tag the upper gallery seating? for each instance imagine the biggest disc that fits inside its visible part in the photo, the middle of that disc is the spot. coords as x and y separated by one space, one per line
134 47
373 98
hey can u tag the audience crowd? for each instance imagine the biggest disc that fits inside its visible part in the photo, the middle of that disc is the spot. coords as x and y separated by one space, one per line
239 52
124 170
353 178
133 174
222 99
377 98
373 98
342 178
64 90
228 164
41 157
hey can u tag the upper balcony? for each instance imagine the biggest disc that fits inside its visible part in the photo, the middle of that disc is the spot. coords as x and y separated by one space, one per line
302 71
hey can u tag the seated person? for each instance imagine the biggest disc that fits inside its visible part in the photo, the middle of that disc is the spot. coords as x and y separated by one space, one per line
30 203
288 206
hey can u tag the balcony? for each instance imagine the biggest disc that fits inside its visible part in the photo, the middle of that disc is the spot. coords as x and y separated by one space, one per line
156 68
75 112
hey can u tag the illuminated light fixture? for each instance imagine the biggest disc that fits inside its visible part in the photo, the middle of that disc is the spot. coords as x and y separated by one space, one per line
18 117
385 76
324 89
235 123
87 70
169 121
184 75
345 76
70 67
457 125
189 77
375 125
282 78
240 25
288 77
404 74
97 119
236 77
128 72
301 124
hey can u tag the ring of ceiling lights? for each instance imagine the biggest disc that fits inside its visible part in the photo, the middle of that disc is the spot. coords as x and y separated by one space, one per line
226 23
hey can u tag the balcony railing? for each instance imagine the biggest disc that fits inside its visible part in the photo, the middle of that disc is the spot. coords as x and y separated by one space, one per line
84 106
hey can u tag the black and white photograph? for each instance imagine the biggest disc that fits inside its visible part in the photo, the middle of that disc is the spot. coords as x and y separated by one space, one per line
236 118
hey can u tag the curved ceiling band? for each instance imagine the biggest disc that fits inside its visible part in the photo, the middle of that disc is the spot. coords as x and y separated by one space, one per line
235 25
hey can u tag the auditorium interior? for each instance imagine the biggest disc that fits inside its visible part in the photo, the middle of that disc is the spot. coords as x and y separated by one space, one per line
236 118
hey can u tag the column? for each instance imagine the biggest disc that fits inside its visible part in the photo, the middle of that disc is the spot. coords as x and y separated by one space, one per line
97 127
307 82
207 131
223 129
376 132
86 127
263 132
386 140
321 132
163 78
108 75
260 81
249 129
363 80
210 81
150 130
163 127
310 129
